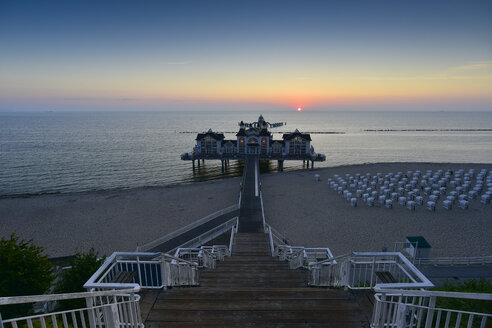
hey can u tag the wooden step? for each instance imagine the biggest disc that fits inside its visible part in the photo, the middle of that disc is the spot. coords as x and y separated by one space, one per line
348 314
256 324
257 305
253 289
256 293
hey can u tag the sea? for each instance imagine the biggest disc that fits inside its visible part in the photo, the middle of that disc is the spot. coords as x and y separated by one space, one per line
64 152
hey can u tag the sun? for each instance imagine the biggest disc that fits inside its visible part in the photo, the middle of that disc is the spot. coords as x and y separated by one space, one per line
299 109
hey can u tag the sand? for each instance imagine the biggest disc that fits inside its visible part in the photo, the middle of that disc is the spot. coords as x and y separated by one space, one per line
308 212
109 221
313 215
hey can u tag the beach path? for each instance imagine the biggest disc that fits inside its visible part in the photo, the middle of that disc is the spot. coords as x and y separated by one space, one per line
252 288
250 217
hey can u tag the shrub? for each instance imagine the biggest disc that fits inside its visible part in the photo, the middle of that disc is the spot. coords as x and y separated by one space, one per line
74 278
24 270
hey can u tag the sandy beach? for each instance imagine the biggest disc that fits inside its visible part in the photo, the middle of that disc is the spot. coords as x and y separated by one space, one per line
112 220
313 215
308 212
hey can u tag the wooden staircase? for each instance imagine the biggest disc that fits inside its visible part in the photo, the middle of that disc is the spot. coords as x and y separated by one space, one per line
253 289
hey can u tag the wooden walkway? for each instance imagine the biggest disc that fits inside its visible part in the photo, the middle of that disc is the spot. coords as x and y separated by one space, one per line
250 217
253 289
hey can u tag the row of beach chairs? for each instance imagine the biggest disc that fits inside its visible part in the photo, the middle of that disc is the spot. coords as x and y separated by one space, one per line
414 188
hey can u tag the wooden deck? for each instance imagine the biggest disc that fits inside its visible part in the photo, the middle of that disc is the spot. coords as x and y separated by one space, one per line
250 217
253 289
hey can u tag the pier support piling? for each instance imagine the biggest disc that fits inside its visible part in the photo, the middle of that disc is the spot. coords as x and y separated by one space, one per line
280 165
193 161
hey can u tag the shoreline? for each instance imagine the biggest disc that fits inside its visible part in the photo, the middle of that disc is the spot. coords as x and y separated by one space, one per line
217 178
310 214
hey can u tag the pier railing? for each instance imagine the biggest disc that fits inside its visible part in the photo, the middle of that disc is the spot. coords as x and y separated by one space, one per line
163 239
205 256
210 234
104 309
298 256
143 270
367 270
421 308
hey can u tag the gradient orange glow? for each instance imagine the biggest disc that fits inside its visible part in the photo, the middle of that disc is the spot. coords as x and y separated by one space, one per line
220 56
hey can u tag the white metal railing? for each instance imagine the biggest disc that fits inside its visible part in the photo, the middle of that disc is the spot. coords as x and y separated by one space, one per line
104 309
367 270
298 256
479 260
209 235
205 256
421 308
195 224
262 211
233 235
145 270
270 238
277 237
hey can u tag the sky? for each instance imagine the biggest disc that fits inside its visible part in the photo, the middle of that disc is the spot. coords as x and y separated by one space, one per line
240 55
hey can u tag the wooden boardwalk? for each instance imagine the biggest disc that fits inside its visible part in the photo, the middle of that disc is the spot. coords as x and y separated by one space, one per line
253 289
250 217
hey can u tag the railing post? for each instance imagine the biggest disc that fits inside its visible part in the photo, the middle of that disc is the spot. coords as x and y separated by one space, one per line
134 320
376 317
139 272
1 321
430 313
165 271
401 315
90 312
372 271
111 316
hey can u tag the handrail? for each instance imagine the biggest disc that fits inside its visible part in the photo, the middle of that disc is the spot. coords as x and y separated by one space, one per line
454 260
429 293
272 247
330 259
92 282
66 296
233 234
217 229
190 226
418 308
343 272
275 234
177 258
262 211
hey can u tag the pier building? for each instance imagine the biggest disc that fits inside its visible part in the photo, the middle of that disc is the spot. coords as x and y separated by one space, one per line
254 139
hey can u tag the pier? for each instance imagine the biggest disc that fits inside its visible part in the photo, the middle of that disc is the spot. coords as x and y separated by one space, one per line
254 139
250 212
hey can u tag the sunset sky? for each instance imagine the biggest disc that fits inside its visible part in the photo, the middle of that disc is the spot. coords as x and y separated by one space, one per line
235 55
